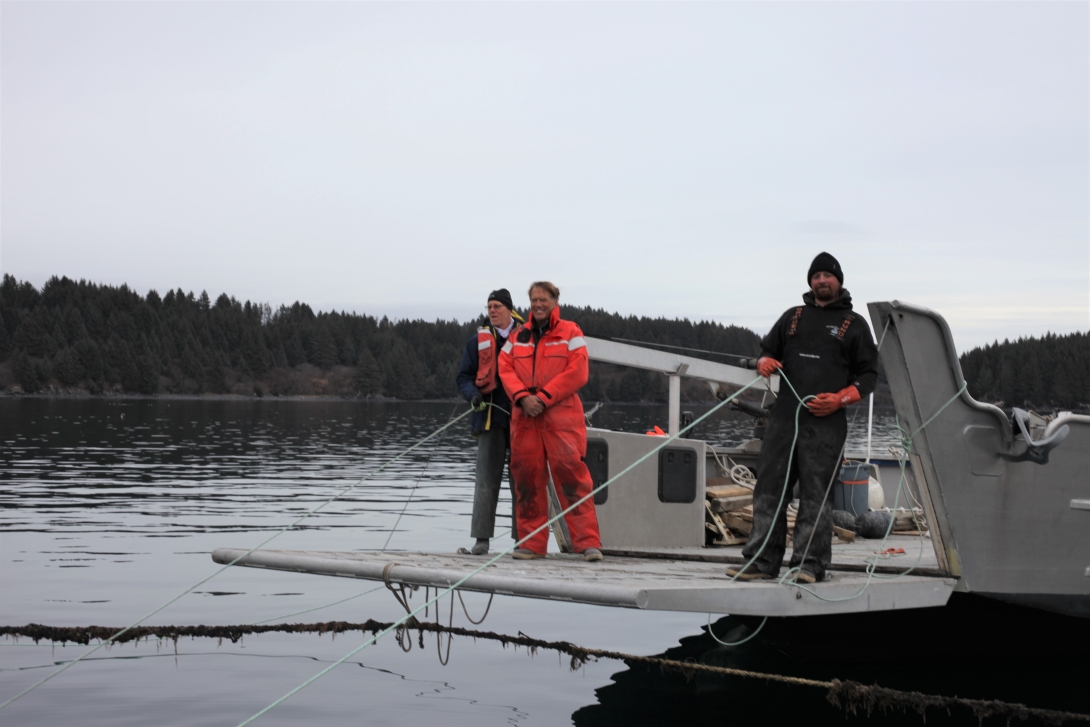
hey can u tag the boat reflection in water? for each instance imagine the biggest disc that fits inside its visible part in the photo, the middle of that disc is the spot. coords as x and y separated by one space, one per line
974 648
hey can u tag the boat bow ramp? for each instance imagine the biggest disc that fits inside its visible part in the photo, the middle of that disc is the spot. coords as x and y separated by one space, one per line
658 583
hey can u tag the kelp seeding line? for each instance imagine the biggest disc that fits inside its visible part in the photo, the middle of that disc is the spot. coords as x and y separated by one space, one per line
853 697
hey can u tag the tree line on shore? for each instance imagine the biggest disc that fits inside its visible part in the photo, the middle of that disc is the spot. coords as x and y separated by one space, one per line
1052 371
82 336
78 335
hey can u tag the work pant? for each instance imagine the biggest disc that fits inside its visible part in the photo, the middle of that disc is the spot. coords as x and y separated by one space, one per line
815 463
492 448
535 452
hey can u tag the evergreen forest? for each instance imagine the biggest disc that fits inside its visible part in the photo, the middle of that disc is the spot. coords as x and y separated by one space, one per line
1050 372
78 336
74 337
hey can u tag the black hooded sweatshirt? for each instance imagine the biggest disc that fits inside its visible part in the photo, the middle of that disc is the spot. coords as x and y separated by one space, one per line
822 349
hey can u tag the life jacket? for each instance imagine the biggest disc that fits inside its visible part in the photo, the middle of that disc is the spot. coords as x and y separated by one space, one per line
486 360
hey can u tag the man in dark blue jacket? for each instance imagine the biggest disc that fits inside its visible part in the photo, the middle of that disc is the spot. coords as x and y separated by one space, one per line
479 383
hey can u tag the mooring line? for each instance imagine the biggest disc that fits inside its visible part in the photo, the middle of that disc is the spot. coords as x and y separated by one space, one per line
262 544
850 695
104 632
666 441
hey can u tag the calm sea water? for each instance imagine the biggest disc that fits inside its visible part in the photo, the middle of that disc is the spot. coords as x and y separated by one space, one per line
110 507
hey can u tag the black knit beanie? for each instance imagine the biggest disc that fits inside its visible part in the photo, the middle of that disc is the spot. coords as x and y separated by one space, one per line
503 295
825 262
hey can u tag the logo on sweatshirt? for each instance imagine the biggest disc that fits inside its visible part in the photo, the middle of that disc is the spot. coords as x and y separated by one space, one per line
838 332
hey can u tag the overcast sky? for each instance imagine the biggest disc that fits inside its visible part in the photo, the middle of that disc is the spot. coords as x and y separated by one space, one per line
672 159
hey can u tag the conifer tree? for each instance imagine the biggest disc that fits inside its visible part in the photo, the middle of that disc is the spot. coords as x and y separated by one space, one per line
67 368
324 349
368 376
90 358
33 338
25 371
293 350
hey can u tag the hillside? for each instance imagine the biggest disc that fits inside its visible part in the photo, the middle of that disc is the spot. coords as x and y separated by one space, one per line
81 337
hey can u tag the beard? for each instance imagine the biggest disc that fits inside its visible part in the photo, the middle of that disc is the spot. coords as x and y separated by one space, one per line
825 293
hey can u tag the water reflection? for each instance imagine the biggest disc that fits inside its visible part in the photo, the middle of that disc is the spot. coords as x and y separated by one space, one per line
906 653
110 507
171 468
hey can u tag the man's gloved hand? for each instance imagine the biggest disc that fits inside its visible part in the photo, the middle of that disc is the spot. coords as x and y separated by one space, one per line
825 404
766 366
477 403
848 396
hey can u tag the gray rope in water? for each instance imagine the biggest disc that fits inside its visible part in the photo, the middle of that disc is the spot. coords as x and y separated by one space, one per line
851 696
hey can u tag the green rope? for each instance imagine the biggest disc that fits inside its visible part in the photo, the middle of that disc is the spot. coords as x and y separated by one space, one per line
317 608
789 577
735 643
786 480
872 563
441 594
262 544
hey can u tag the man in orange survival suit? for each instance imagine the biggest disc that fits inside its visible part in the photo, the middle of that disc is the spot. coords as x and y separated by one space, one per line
542 366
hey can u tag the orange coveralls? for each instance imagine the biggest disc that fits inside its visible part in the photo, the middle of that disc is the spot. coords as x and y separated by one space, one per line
553 368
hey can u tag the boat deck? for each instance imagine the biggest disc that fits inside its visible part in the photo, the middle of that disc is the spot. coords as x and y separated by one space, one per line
682 579
919 554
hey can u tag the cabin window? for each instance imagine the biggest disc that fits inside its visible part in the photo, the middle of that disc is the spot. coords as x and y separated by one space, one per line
677 474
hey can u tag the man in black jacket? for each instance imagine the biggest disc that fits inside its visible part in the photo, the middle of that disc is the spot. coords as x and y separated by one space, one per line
826 352
478 381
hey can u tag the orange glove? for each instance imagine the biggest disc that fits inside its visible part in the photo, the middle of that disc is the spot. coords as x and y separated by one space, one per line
766 366
848 396
825 404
